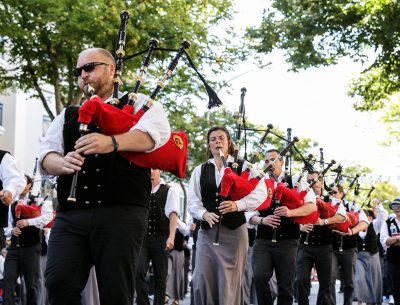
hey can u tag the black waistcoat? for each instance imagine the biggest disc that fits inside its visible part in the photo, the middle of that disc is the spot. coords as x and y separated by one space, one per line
211 199
319 236
370 242
29 235
179 241
3 207
287 228
349 242
105 179
158 224
393 253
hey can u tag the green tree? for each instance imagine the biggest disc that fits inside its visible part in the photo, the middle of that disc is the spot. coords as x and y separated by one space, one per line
317 33
44 37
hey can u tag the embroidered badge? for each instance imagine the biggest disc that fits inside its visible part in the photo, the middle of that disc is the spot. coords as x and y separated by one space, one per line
178 141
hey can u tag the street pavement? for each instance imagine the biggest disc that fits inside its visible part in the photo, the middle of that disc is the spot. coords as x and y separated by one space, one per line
312 299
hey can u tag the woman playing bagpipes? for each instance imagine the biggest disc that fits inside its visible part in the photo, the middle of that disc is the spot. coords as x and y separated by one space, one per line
218 275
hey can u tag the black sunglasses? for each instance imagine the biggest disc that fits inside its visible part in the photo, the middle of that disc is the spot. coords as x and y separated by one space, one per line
89 67
333 192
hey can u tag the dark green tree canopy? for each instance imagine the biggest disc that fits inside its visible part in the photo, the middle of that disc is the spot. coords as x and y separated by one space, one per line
44 37
317 33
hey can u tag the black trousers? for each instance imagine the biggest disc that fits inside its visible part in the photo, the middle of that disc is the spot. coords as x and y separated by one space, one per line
25 261
109 238
394 277
280 256
347 260
153 250
307 256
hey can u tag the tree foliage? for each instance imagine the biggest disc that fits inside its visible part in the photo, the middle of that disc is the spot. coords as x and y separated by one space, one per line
44 37
317 33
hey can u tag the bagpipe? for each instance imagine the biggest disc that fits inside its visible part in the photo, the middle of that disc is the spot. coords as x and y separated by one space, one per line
34 207
170 157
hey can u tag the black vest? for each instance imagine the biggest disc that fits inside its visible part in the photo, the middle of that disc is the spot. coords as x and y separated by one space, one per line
349 242
393 253
105 179
211 199
179 241
158 224
29 236
3 207
287 228
370 242
319 236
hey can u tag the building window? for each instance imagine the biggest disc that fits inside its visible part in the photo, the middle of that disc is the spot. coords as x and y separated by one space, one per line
1 114
45 124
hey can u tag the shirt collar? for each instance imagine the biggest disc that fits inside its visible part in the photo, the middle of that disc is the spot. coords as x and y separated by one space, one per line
155 189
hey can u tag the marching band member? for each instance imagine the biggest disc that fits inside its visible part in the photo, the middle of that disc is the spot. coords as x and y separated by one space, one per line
316 250
280 255
162 224
390 240
368 275
23 255
12 183
345 249
218 275
109 217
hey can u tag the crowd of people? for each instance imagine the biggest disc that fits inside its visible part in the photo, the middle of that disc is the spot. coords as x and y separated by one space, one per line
119 236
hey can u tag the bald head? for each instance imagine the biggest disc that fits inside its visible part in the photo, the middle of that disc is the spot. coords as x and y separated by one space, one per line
102 54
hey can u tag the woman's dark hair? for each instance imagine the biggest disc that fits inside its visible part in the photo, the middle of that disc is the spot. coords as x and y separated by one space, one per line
29 180
231 147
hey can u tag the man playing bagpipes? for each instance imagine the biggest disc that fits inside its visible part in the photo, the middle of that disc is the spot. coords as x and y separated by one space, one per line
345 247
280 253
23 257
109 217
315 247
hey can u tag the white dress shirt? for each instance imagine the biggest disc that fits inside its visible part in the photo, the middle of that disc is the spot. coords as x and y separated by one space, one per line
341 209
385 232
249 202
12 176
46 215
154 122
172 204
377 222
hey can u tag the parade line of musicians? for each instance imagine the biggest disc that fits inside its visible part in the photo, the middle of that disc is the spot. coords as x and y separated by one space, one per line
121 239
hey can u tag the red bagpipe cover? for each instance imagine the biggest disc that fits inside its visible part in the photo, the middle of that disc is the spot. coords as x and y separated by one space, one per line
170 157
294 199
326 210
238 187
31 211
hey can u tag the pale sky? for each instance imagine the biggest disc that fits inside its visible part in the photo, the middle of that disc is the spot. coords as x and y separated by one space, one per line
288 99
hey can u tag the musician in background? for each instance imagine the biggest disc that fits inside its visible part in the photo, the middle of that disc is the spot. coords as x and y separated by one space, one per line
280 255
218 275
162 224
316 249
23 257
345 248
109 217
12 183
368 275
390 240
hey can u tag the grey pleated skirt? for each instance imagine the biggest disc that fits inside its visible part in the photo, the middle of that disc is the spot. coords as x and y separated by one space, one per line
176 274
218 276
368 278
